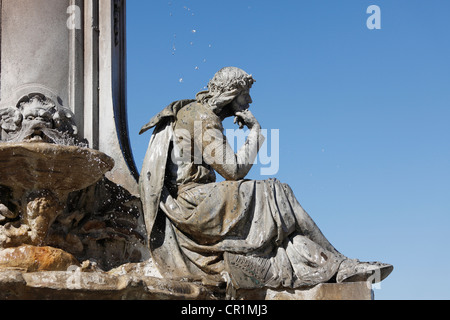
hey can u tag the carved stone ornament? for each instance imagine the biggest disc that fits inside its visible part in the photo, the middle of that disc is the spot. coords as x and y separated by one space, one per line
53 194
36 118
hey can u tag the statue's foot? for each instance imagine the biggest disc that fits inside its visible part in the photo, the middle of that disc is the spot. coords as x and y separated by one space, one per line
356 271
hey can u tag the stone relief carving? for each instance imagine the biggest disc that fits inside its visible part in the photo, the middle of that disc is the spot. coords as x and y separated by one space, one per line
37 118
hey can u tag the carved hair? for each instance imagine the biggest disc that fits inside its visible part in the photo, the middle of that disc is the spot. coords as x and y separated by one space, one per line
230 78
226 85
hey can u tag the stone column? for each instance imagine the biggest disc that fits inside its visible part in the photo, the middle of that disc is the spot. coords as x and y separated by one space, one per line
72 51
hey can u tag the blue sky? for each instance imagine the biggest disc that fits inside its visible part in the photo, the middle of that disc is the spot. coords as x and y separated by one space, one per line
363 115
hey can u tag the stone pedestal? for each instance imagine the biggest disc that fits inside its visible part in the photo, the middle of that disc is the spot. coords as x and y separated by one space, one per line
77 285
325 291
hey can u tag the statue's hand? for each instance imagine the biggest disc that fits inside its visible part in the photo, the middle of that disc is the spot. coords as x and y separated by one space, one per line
246 118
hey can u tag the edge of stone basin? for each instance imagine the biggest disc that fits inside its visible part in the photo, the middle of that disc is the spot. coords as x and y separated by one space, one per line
17 285
61 285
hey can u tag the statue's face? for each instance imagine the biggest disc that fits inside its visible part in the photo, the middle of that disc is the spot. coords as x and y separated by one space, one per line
238 104
242 101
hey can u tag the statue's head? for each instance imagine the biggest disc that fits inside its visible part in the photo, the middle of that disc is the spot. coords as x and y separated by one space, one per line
36 118
227 85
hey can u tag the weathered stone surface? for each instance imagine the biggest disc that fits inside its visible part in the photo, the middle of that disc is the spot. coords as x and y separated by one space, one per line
55 195
39 166
33 259
39 177
102 223
72 51
324 291
77 285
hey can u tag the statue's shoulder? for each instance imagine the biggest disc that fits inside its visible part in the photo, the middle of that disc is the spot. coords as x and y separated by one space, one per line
197 112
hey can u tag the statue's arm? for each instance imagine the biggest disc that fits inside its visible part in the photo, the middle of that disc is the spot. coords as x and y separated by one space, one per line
218 153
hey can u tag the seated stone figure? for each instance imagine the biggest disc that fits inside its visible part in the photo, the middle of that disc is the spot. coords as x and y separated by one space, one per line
254 234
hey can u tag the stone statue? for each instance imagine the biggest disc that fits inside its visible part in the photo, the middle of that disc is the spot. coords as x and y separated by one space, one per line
254 234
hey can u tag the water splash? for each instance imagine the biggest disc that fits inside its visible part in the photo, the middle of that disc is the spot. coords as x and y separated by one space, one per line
187 36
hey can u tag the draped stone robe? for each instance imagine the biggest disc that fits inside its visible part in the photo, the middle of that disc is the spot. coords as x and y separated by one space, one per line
253 232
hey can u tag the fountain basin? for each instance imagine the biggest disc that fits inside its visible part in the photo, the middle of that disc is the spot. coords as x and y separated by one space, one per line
44 166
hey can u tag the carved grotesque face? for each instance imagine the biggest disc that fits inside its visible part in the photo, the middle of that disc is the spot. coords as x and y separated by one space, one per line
37 119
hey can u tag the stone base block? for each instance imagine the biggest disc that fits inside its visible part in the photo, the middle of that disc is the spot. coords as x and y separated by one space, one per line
76 285
325 291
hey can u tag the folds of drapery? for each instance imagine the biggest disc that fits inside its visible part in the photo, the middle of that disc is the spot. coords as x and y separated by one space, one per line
256 231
